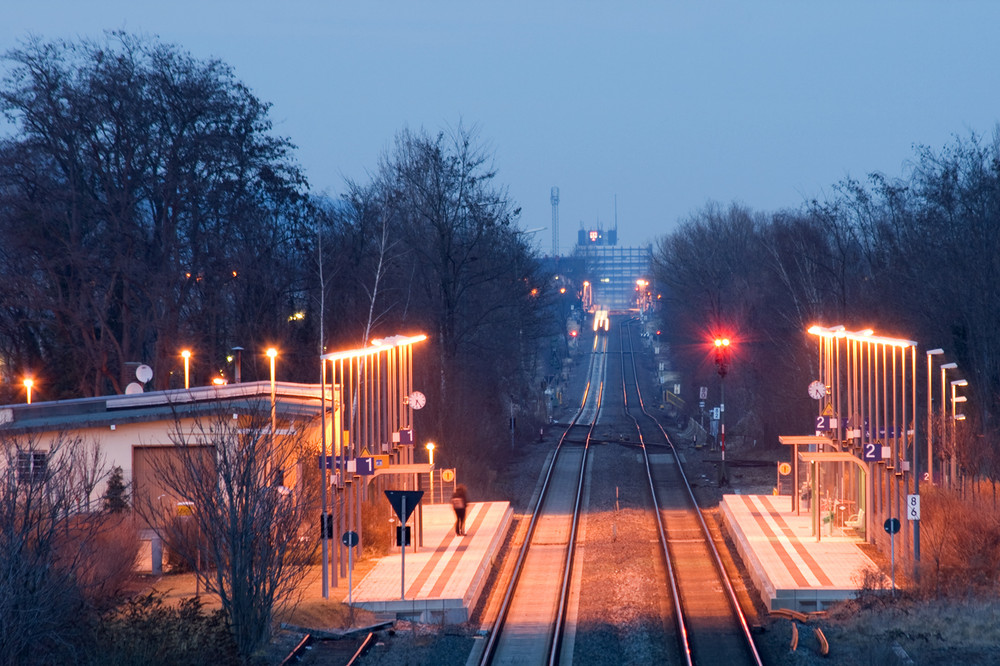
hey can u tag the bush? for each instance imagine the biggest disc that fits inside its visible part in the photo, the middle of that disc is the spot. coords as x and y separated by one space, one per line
101 552
146 632
960 546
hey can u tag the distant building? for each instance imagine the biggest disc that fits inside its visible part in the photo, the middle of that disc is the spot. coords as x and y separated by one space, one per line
613 271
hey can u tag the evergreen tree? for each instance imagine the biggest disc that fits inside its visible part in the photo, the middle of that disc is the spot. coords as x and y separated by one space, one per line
116 495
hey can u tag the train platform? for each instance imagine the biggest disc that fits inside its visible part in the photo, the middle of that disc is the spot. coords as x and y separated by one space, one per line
443 578
789 567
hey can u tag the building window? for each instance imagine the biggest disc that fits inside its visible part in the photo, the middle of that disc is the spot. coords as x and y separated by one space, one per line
31 466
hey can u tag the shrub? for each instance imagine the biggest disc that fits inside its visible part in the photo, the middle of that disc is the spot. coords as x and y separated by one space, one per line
146 632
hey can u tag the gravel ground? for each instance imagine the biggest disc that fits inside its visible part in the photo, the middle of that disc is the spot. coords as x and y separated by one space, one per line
625 618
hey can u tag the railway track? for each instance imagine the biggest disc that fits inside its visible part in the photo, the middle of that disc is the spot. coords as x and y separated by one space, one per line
528 629
711 626
681 608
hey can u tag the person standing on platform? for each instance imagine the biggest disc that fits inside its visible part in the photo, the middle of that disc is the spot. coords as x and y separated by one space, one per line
459 502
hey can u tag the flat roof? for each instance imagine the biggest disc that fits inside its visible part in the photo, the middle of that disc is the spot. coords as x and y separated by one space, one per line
291 400
804 440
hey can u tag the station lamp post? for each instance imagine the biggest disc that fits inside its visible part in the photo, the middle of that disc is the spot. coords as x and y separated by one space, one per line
944 413
954 430
930 419
640 286
722 364
186 354
430 459
28 384
272 353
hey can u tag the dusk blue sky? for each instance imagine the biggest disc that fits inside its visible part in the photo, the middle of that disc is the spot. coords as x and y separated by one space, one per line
667 105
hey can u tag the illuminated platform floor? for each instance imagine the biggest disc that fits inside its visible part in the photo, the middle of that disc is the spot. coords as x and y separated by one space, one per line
790 569
444 577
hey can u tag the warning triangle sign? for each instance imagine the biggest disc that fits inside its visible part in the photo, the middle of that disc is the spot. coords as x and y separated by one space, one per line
364 453
404 501
828 410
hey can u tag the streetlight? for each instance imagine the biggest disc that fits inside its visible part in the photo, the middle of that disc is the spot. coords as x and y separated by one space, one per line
954 433
722 363
271 354
930 419
641 284
944 413
186 353
28 384
430 459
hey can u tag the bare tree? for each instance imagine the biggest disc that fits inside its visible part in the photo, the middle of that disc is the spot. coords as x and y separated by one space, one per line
58 567
144 199
245 520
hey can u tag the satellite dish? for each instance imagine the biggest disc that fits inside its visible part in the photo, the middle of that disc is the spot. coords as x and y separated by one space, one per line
133 388
144 373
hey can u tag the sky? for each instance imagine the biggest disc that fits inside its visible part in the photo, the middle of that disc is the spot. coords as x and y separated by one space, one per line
639 112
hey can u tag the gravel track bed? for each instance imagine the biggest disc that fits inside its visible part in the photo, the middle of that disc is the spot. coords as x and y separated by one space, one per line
624 616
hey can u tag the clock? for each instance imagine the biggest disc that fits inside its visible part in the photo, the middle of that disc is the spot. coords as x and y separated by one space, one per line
817 390
416 400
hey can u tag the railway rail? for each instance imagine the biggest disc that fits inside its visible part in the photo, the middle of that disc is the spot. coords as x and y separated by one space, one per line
528 629
711 625
704 623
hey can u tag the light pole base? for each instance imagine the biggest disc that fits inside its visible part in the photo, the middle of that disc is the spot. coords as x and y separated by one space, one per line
723 474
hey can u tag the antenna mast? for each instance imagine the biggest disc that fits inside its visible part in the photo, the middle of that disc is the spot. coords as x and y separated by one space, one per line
554 198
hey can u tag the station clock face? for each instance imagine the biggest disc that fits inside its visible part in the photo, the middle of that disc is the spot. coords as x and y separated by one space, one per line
417 400
817 390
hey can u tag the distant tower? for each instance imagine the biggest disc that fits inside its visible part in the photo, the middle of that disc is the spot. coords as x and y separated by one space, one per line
554 198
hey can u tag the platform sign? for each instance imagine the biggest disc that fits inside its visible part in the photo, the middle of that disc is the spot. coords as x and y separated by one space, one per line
824 423
913 507
365 466
330 461
871 452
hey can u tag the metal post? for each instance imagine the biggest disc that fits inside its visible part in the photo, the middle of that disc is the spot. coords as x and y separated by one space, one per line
402 550
916 457
322 481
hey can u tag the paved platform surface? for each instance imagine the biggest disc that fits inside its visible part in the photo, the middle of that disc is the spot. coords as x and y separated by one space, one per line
444 577
790 569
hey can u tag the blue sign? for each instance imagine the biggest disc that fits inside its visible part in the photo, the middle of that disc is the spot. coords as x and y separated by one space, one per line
824 423
891 525
404 501
349 539
871 451
331 461
366 466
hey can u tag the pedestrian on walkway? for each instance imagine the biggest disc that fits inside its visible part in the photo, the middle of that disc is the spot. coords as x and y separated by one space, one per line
459 501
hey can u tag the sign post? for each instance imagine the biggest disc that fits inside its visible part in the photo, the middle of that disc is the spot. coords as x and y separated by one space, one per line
891 526
350 539
403 503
